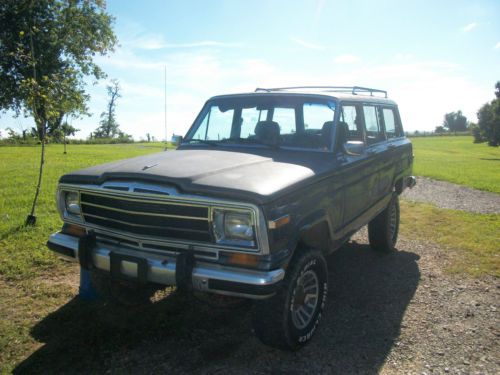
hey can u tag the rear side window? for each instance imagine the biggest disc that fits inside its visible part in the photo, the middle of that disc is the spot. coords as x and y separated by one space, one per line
373 127
391 128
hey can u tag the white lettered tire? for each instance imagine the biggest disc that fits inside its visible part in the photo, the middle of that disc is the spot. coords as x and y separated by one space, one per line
289 319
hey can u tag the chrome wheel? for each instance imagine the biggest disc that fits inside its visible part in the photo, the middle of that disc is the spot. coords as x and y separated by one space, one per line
305 299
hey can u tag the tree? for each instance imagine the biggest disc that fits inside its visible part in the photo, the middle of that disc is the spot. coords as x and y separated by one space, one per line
66 130
488 124
109 127
455 122
440 129
46 50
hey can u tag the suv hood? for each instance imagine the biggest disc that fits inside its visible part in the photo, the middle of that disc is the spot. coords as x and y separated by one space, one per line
255 175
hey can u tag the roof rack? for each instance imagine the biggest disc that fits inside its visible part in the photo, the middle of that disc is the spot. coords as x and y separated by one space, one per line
354 90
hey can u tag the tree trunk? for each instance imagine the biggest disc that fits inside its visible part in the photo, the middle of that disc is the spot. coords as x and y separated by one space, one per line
64 144
31 218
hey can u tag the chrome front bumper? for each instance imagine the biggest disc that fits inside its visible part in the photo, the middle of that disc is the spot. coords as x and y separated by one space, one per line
163 269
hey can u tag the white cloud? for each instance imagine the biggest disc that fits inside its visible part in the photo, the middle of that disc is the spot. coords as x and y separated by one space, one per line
157 42
497 46
469 27
346 59
203 43
308 45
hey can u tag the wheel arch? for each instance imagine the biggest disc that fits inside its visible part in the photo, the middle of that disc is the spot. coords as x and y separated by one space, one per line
313 231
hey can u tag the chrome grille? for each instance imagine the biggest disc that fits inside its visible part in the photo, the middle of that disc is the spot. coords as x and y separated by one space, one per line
147 216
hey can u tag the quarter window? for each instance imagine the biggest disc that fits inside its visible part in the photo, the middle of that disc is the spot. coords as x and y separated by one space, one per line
390 123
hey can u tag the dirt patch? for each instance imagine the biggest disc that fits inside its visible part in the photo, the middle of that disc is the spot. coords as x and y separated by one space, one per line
452 196
394 313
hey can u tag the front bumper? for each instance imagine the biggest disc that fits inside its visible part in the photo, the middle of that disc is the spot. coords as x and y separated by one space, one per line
167 269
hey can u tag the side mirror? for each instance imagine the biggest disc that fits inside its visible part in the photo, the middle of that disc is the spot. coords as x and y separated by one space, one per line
178 140
354 148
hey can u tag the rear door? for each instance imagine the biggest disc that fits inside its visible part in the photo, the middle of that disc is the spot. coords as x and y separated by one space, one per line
377 152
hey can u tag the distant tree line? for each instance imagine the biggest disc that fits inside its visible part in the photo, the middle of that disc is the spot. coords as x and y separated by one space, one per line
487 128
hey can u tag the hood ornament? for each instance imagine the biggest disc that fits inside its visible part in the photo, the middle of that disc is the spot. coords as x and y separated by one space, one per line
149 166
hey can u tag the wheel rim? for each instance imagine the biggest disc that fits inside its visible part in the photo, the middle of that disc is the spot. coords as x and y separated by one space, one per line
305 299
393 221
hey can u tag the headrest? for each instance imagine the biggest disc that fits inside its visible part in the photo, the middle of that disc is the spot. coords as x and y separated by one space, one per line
268 131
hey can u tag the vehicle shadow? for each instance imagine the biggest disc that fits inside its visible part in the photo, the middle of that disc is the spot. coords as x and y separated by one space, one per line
369 294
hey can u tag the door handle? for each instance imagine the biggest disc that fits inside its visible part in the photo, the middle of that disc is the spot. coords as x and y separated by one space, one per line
391 146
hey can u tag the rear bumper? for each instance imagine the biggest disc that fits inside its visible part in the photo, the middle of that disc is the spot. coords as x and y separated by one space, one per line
166 269
410 181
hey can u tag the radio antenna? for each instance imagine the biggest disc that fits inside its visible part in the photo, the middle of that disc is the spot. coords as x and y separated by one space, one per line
166 135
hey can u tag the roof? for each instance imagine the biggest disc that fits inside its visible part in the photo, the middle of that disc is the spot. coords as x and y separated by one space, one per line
347 93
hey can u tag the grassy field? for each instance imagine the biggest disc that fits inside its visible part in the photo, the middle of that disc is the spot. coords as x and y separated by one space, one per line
473 238
458 160
23 250
34 283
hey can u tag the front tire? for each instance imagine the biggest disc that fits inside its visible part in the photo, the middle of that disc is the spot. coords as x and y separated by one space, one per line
383 229
289 319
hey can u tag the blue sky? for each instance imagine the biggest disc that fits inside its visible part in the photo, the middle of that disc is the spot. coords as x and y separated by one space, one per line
433 57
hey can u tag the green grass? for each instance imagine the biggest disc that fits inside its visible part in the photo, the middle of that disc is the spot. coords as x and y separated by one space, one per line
473 239
23 250
32 279
458 160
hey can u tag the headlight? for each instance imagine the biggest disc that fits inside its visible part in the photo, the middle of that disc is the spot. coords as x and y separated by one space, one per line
233 227
71 203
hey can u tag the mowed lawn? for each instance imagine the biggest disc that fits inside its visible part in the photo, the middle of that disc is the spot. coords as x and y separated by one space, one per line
21 248
458 160
34 283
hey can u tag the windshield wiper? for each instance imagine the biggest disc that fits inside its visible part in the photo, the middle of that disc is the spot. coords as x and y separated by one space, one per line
249 141
204 141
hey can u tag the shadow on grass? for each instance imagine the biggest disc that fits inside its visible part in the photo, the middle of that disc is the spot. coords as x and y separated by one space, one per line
369 294
11 232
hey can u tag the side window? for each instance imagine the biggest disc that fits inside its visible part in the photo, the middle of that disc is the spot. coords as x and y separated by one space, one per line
249 119
374 132
285 117
350 119
391 130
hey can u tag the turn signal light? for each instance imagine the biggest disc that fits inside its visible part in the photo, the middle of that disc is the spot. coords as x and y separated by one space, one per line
73 230
243 259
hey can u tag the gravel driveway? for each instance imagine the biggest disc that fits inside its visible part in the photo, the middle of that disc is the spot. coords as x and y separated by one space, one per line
452 196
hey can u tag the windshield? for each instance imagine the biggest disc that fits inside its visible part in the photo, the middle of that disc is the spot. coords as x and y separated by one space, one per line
277 121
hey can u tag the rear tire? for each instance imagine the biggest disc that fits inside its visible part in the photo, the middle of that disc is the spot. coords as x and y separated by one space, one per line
383 229
289 319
